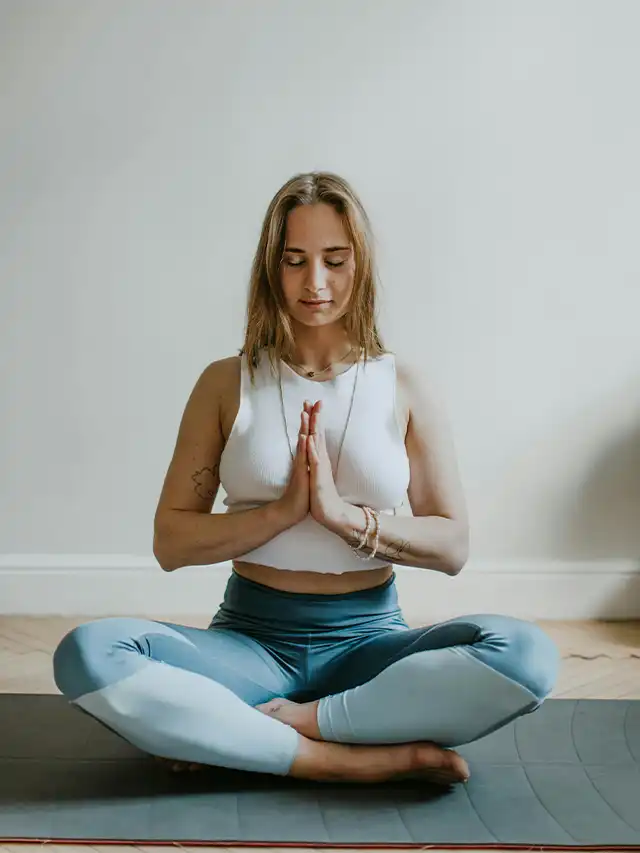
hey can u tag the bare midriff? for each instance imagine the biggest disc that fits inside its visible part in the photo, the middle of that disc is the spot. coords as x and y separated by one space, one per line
315 583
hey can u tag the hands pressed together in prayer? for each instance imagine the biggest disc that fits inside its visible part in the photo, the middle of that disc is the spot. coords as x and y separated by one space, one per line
312 489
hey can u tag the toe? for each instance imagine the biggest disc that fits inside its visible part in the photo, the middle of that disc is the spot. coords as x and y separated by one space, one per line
458 766
441 763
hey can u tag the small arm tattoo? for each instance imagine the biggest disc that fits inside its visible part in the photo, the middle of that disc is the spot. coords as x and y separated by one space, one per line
205 481
394 551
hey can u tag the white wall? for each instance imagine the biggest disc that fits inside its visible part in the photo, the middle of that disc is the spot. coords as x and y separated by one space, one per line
496 147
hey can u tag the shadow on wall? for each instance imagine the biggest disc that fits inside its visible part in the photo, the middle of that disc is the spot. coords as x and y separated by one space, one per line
604 521
571 495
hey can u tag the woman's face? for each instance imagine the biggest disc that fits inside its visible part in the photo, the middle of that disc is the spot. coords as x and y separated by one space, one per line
318 265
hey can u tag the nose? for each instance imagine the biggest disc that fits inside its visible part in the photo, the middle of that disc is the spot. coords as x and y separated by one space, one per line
316 278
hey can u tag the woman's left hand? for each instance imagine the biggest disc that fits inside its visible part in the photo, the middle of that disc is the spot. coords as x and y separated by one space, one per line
325 504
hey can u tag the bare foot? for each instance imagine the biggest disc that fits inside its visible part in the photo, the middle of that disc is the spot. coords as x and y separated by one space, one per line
321 760
303 717
324 761
179 766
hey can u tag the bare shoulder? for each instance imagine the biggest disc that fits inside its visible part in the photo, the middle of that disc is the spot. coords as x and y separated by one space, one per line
218 382
222 381
220 374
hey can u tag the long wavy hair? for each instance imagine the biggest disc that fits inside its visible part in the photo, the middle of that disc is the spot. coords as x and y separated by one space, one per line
268 326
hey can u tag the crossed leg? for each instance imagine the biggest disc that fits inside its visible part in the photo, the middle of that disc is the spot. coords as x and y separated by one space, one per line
450 684
186 694
179 692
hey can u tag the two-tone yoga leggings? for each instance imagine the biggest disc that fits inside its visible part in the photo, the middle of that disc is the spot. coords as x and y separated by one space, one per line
188 693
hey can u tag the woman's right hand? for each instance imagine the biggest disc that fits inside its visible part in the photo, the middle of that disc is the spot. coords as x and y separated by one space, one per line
294 503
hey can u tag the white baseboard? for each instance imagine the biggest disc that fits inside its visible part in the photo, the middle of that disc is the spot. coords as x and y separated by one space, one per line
118 584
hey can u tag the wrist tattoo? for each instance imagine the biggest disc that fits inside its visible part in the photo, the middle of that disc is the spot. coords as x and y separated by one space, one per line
393 551
396 549
205 482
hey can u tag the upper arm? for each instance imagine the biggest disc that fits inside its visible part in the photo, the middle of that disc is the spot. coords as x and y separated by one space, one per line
192 480
434 486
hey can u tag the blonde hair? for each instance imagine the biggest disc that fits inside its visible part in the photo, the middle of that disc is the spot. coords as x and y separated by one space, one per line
268 324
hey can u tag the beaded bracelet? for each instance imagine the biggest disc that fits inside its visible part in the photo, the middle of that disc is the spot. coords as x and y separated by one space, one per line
372 516
376 541
367 529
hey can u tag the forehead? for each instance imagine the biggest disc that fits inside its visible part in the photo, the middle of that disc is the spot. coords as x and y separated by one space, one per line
314 226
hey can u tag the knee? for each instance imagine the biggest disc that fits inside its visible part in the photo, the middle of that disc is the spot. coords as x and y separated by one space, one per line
533 657
519 650
75 659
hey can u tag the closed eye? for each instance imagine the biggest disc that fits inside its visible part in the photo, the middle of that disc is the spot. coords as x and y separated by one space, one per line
299 262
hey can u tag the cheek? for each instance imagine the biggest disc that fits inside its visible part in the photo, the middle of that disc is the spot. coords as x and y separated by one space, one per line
343 286
289 287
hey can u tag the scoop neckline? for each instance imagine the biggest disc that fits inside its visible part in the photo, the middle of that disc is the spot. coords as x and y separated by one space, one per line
320 381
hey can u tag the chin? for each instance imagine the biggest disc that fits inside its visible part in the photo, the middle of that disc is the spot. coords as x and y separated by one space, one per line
316 322
320 318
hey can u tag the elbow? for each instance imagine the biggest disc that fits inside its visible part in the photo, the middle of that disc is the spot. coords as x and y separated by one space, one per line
162 556
162 551
458 553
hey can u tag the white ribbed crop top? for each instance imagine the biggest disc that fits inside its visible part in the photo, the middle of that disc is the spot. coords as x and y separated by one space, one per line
360 417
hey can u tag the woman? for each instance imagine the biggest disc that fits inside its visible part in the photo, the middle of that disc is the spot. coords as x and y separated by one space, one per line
316 435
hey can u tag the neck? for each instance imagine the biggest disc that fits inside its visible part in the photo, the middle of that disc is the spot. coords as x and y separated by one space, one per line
315 348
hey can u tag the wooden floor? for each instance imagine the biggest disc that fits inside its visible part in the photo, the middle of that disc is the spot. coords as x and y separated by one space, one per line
601 660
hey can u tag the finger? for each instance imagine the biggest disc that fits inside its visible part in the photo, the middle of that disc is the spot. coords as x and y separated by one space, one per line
316 427
304 423
314 421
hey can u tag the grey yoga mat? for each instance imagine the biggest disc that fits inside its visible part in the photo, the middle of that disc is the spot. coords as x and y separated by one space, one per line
566 776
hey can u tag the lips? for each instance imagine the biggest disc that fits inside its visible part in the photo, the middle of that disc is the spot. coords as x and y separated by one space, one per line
315 301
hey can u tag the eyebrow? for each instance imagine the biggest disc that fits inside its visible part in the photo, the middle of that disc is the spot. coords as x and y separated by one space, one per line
293 250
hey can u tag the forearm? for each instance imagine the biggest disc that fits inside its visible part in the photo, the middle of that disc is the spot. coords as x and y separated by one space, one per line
184 538
425 542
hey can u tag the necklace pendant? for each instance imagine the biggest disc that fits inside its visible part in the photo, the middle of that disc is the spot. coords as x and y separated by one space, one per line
311 374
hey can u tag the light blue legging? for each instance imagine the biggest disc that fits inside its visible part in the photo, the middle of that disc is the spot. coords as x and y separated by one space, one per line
188 693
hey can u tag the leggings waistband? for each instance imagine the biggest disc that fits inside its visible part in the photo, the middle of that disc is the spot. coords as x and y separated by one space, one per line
247 599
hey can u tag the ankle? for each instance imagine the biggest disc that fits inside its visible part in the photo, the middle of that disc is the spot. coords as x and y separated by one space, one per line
311 728
313 759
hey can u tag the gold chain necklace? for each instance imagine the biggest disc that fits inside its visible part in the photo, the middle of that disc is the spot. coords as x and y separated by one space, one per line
310 374
346 425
